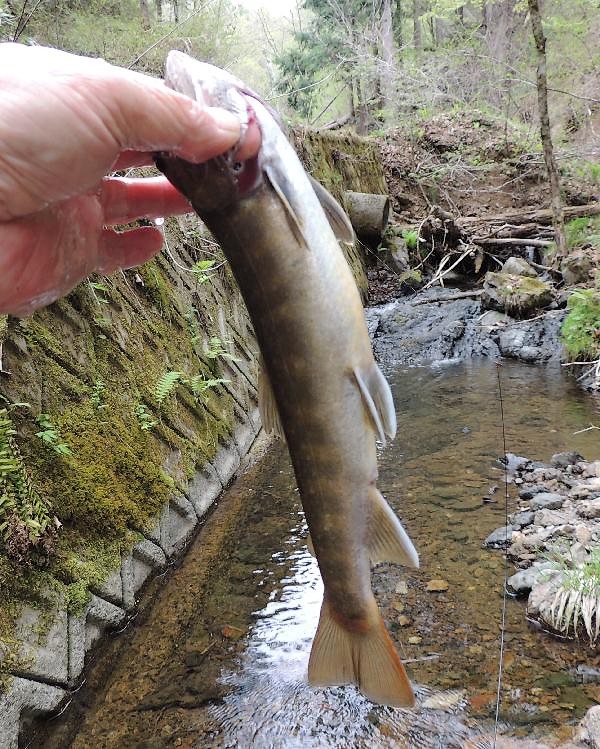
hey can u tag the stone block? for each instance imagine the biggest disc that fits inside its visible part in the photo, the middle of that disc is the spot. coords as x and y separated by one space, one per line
226 463
145 559
45 644
204 488
180 523
23 701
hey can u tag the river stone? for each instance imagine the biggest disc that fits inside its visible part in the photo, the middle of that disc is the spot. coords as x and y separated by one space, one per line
542 595
515 462
589 509
576 268
562 460
523 518
524 580
544 518
501 536
437 586
547 501
589 730
517 266
516 295
530 491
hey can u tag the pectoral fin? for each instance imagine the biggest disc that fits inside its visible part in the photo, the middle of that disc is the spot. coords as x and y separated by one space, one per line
388 541
377 398
269 414
338 220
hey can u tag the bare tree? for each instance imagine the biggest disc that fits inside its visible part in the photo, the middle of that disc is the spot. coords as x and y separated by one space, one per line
145 12
417 36
159 10
388 59
558 220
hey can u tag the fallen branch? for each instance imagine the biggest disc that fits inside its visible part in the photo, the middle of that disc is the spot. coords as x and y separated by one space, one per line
439 275
449 298
512 240
543 216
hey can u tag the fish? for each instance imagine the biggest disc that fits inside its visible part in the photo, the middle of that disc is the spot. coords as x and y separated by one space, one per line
319 386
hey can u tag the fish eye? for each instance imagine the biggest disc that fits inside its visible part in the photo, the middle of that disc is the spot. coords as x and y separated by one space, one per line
237 166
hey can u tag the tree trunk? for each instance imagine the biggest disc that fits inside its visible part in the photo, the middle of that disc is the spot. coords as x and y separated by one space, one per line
159 11
176 11
388 62
558 221
362 120
145 13
397 22
417 36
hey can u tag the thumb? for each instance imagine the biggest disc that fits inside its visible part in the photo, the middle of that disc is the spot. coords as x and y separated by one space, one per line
147 116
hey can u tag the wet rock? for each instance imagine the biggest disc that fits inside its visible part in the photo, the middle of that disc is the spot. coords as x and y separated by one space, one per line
518 266
515 462
501 536
494 319
547 501
514 294
542 595
562 460
415 640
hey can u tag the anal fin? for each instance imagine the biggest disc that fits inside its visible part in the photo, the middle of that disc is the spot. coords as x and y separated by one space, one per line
388 541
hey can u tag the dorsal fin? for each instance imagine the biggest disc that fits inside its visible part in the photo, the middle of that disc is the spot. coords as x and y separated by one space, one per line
388 541
377 398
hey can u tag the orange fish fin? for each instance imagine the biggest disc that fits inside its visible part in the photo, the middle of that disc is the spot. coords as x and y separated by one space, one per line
388 541
377 398
366 658
269 414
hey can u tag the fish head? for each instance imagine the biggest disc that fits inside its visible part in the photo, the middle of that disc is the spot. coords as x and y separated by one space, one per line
229 178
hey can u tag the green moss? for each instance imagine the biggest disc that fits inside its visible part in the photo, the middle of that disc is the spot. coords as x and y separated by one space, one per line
581 328
155 286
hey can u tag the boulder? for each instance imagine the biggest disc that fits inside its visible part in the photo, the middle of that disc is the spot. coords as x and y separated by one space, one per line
523 518
501 536
576 268
589 728
517 266
515 295
547 501
562 460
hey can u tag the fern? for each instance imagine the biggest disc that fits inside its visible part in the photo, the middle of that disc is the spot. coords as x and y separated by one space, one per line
144 417
200 269
50 435
166 385
215 350
20 504
199 385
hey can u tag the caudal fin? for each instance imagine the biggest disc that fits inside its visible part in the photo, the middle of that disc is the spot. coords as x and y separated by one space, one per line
367 658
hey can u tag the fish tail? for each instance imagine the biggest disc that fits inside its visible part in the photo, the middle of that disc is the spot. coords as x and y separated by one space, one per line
363 655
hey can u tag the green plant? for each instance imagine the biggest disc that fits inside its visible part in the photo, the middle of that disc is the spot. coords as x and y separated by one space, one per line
215 350
200 268
578 597
576 231
98 392
144 417
98 291
198 384
50 434
166 384
21 507
411 238
581 328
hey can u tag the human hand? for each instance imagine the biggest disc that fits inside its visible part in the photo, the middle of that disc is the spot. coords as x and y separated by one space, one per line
65 123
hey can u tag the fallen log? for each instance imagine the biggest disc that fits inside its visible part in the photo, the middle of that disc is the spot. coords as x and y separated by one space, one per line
543 216
449 297
523 241
368 213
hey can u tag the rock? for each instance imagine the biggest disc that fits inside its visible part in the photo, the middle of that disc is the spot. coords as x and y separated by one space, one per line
501 536
522 518
515 462
589 509
549 517
404 621
547 501
415 640
531 491
542 595
493 319
576 268
591 469
583 534
516 295
517 266
402 588
562 460
589 728
437 586
588 674
524 580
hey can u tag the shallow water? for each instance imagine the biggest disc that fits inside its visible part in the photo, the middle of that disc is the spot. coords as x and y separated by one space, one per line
235 675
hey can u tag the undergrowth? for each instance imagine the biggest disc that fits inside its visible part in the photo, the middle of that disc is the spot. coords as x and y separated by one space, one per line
578 598
581 328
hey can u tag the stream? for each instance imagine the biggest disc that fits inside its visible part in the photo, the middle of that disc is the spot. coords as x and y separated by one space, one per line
218 657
